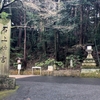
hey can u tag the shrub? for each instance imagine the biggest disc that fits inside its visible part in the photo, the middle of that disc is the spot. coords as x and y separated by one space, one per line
49 61
75 59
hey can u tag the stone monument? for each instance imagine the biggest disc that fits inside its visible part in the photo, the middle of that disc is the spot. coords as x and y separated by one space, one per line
89 61
89 64
5 81
71 63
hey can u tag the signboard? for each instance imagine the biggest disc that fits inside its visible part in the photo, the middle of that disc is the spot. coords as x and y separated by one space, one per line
50 68
5 30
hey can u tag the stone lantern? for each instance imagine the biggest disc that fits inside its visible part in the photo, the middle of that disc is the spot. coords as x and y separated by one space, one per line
89 61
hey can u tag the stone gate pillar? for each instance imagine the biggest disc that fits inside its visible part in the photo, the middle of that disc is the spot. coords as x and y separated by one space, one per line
5 30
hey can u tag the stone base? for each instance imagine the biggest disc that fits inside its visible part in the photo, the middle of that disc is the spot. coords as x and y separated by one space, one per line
7 83
89 62
89 70
88 67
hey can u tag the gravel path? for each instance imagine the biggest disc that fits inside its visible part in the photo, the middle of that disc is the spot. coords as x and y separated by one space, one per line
57 88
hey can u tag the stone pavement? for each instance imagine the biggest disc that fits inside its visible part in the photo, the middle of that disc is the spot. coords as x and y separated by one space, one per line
20 76
56 88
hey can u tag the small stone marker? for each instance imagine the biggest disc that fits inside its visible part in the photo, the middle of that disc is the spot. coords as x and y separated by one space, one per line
71 63
50 68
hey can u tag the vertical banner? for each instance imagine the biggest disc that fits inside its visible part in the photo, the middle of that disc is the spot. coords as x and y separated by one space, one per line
5 30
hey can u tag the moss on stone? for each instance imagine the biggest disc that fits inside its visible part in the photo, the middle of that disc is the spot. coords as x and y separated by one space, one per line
4 21
6 93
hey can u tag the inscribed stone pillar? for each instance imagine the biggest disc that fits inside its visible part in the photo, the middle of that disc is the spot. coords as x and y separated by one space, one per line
5 30
5 81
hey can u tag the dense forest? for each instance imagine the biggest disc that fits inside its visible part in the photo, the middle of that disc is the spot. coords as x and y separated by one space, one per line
53 31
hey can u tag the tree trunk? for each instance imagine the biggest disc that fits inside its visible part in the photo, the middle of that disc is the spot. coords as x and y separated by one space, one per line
19 36
24 35
56 45
96 14
86 26
44 45
81 25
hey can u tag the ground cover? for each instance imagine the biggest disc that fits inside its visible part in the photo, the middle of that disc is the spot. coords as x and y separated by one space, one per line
6 93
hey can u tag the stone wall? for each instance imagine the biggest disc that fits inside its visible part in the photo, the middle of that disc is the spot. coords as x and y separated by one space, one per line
69 72
7 83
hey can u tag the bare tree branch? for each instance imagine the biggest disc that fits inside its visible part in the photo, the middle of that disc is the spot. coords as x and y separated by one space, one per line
4 3
9 3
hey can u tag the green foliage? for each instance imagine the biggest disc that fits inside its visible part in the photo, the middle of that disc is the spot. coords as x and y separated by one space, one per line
91 75
3 18
80 52
48 62
45 63
15 65
59 64
68 15
75 59
18 55
6 93
15 53
41 64
4 15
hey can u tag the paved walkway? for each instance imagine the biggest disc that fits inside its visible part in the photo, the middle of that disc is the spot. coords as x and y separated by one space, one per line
56 88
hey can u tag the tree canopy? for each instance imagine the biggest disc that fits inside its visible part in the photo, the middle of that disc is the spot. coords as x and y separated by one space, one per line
53 28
